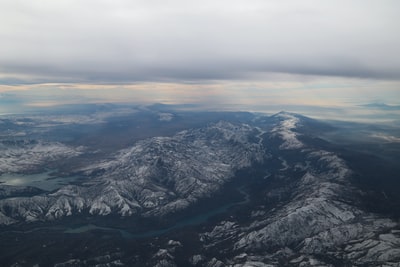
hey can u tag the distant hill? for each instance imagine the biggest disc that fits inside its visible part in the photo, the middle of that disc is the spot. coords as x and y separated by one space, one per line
381 106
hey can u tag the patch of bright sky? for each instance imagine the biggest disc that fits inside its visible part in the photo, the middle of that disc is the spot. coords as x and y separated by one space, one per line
282 92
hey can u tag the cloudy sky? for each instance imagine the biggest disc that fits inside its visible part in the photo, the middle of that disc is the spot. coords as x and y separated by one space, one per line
234 52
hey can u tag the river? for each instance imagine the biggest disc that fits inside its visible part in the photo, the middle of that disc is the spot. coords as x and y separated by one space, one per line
190 221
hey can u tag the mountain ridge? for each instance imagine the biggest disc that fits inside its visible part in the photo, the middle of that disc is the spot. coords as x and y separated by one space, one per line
301 206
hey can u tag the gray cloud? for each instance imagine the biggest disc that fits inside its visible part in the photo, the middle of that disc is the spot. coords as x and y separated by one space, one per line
129 41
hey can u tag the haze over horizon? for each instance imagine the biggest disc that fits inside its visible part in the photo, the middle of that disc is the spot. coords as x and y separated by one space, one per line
222 54
200 133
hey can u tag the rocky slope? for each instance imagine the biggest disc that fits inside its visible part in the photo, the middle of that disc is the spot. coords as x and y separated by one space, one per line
302 210
24 156
318 223
156 176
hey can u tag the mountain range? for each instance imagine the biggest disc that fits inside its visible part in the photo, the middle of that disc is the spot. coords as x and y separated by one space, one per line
221 189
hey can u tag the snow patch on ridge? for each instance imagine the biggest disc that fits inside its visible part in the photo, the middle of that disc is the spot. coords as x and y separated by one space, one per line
17 156
285 131
156 176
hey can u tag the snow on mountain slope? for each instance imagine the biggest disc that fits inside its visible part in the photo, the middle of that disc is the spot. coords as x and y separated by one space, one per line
156 176
25 156
284 130
308 212
320 222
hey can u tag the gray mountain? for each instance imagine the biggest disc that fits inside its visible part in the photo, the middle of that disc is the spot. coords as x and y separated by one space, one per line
156 176
317 218
299 203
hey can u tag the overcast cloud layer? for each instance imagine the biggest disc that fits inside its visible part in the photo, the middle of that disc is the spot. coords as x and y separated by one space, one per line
99 41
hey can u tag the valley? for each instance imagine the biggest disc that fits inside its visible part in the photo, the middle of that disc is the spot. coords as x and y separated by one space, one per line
222 189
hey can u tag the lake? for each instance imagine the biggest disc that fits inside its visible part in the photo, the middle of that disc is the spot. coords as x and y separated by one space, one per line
45 181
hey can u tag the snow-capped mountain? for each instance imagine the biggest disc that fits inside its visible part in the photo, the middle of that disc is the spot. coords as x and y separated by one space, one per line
19 156
318 220
156 176
300 205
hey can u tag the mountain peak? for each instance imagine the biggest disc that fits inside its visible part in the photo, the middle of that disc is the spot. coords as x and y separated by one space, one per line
284 113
